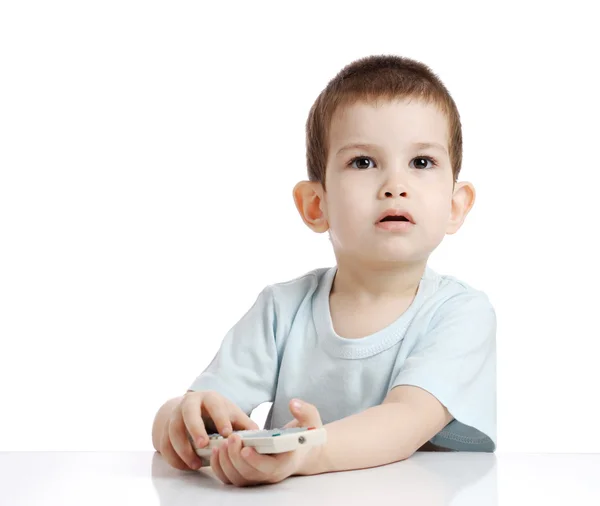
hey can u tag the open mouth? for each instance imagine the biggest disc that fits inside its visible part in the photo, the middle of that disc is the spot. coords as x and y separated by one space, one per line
394 218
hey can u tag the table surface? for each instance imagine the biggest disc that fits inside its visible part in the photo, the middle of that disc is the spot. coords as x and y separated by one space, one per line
425 479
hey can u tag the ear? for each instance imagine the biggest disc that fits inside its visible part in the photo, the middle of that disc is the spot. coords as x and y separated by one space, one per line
462 202
308 196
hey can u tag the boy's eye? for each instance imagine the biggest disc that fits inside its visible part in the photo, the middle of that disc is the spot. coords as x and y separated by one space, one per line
362 160
420 162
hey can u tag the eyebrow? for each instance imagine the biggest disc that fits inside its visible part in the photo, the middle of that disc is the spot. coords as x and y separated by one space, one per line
418 145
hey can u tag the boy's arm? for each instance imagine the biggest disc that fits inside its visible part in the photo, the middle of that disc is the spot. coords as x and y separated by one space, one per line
451 369
390 432
244 370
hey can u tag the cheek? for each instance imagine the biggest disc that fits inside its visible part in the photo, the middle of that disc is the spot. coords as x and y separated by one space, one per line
438 215
437 211
347 212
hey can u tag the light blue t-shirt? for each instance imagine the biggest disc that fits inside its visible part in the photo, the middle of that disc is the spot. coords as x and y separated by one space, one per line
285 347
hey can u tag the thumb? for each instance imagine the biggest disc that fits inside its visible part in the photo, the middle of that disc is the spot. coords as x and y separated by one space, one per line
306 414
291 425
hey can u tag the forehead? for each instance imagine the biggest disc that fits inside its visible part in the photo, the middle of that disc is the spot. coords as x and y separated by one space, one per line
388 123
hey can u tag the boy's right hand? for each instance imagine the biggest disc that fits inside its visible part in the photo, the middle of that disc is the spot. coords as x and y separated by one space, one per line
188 418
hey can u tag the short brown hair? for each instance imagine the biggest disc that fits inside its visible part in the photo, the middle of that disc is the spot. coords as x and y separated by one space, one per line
369 79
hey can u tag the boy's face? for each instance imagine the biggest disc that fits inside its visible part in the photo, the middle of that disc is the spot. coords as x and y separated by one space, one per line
393 173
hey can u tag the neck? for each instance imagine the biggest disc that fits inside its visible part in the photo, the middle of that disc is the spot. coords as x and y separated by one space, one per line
377 281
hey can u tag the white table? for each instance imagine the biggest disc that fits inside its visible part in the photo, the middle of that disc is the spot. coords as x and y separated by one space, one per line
426 479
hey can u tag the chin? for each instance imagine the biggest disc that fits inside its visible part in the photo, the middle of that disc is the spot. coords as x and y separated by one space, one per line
391 257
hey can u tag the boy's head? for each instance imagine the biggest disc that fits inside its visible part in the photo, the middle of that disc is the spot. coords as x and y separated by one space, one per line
392 106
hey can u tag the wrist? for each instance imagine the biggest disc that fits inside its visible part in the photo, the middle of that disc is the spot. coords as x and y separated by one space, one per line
312 462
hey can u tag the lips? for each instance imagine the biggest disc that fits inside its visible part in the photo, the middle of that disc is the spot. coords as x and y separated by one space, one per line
393 214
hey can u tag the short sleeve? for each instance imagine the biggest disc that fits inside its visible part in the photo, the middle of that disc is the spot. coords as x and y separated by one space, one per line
245 368
455 360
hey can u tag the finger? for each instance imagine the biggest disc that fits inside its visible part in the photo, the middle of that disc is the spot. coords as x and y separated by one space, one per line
283 460
292 425
265 465
216 467
244 469
192 418
180 443
170 455
218 412
307 414
228 468
241 421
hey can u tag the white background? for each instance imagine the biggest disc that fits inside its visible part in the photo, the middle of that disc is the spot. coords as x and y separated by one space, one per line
148 152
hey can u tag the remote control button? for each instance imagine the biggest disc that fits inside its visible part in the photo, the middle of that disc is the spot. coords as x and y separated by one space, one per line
311 428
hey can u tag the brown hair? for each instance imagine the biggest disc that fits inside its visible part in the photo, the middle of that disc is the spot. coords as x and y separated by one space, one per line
369 79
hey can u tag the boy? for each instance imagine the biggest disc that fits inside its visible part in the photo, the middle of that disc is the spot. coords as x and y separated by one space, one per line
391 356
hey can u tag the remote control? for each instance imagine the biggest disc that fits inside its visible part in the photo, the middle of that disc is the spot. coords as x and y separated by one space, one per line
267 442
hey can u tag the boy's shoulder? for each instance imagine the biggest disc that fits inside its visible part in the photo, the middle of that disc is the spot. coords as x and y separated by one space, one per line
446 293
448 284
300 286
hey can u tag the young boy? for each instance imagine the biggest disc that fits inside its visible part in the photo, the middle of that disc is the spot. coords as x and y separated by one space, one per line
389 355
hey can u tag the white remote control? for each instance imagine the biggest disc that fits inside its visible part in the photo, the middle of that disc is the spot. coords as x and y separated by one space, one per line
267 441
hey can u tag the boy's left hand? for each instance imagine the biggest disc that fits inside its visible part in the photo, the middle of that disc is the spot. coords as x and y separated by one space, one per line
247 467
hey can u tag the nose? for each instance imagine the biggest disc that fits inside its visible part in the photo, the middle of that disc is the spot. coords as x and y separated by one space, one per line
392 187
